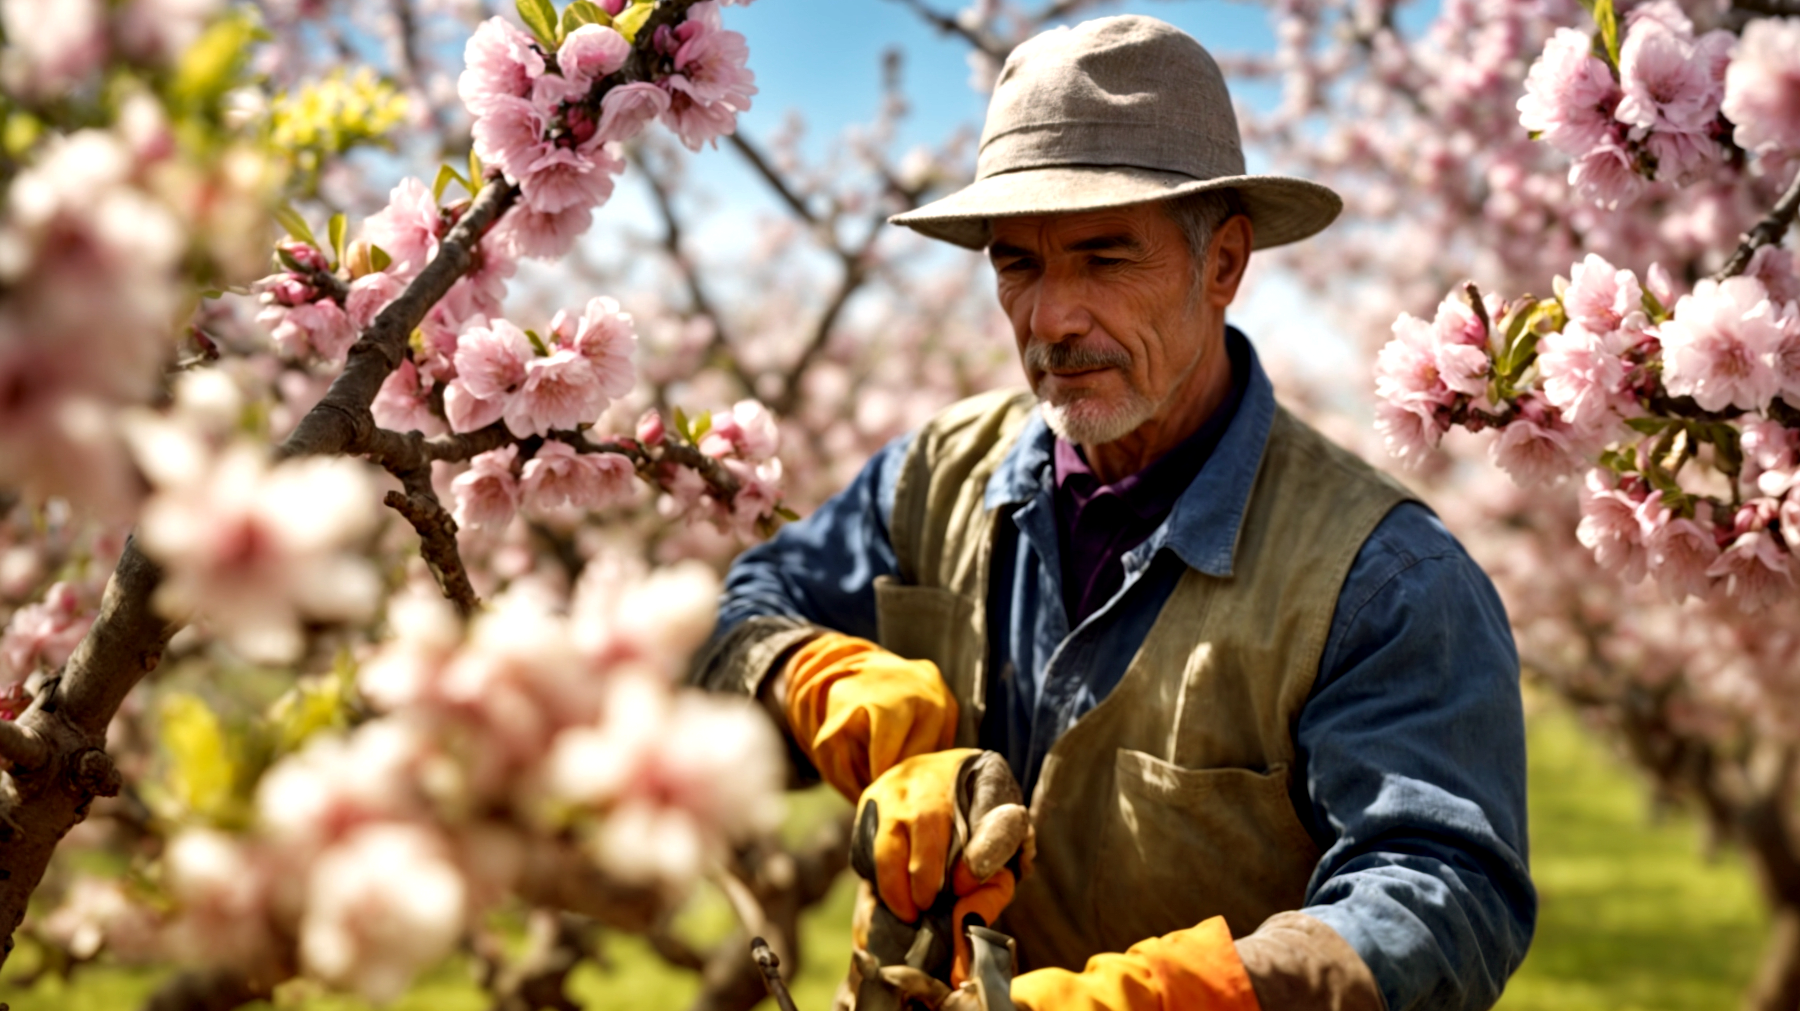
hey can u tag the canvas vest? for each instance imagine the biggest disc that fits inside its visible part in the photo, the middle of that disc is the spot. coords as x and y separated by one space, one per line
1168 803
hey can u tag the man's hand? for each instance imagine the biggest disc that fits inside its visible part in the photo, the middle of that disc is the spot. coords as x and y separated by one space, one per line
857 710
1196 968
951 816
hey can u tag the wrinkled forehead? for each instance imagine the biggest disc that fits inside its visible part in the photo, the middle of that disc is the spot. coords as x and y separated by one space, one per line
1134 226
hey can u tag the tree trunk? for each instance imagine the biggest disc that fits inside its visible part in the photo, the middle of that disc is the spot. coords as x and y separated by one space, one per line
1777 984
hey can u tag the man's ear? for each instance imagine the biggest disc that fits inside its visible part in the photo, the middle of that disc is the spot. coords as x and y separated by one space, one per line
1227 256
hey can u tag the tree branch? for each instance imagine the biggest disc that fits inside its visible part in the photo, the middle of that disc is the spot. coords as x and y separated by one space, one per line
754 156
1768 232
948 25
22 747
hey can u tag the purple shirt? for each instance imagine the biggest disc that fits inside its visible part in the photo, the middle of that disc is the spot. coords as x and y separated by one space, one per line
1096 524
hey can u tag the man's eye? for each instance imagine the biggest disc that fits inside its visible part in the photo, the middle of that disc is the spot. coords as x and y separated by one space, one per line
1016 266
1105 261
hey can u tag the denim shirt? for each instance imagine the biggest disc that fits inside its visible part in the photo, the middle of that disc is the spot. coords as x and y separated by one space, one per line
1410 751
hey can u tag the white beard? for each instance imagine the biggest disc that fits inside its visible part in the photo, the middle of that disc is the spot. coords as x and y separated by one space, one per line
1090 422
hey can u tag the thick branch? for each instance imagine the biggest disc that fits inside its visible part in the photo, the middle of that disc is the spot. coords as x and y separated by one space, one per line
341 422
22 747
1768 231
437 543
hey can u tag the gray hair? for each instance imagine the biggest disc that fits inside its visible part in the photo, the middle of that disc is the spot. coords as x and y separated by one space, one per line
1197 214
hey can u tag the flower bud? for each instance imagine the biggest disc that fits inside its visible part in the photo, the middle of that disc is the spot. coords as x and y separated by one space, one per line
303 253
359 259
650 428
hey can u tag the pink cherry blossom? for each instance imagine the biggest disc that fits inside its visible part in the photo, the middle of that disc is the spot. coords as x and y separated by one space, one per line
1762 86
255 549
1776 267
491 357
1719 345
1569 95
559 392
337 783
711 83
1680 552
591 52
408 228
1602 297
467 412
487 494
370 294
1610 527
316 328
481 291
1409 431
44 633
500 61
1755 570
627 109
510 135
561 178
221 887
1789 518
1406 369
1581 375
55 45
404 404
381 907
1607 176
1534 452
759 492
539 235
605 337
561 477
1768 444
747 431
1672 82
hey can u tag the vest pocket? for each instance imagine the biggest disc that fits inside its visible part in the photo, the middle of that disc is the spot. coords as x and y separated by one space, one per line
930 623
1181 845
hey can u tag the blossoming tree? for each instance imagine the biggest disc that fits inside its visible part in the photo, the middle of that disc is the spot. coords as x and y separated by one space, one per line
1634 166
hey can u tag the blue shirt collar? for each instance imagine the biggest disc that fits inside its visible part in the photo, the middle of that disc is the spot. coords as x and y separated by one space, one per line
1202 529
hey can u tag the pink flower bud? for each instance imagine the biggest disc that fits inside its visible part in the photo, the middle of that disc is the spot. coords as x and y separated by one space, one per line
303 253
650 428
291 291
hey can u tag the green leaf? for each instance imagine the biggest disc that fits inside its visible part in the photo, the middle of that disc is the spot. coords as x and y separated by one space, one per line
631 20
446 175
1608 19
379 258
540 17
681 424
336 228
312 705
1649 426
295 224
1728 451
702 425
288 261
476 174
201 771
1534 134
1654 308
537 343
583 12
787 514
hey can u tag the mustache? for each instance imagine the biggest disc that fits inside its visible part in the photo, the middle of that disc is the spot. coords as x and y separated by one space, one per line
1042 357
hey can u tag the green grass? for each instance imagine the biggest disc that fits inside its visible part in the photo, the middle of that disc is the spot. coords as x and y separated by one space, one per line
1633 918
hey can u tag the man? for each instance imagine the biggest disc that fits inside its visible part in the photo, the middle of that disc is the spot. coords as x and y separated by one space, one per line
1263 705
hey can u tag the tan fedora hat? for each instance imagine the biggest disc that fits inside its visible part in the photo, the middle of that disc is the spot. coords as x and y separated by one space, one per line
1116 111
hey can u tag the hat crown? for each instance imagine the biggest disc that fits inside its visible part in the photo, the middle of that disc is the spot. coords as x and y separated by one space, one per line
1128 91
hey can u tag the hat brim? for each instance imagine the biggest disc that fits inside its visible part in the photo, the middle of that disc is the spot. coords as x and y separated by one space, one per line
1282 209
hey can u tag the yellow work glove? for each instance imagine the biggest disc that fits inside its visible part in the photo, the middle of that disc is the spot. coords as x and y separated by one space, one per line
857 710
917 814
1196 969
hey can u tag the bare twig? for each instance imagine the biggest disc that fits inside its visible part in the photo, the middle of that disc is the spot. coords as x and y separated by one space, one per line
1767 232
770 965
1772 8
949 25
538 979
437 543
700 302
754 156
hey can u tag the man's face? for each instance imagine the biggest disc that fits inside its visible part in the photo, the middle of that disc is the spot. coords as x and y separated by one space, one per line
1103 308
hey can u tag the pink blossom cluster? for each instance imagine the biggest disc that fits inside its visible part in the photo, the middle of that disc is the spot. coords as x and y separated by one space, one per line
552 124
537 384
744 440
559 477
1426 372
53 49
1590 381
1657 117
1762 86
43 635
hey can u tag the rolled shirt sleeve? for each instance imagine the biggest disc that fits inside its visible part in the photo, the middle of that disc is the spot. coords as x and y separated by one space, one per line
1412 754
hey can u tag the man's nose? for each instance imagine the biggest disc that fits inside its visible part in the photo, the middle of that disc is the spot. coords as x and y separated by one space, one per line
1058 312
